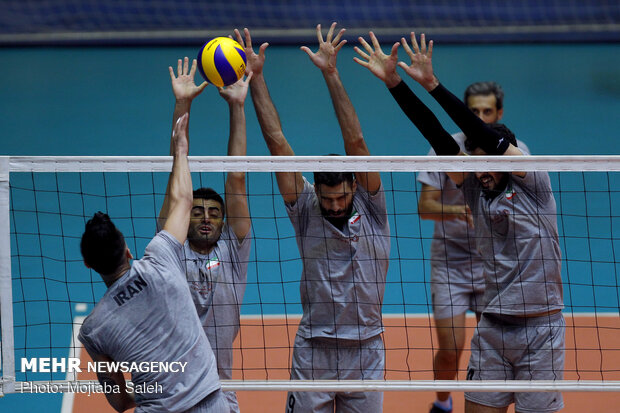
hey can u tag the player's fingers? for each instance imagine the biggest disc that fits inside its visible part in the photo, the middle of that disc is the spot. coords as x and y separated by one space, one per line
374 41
403 41
330 32
248 38
394 52
171 70
185 65
238 37
360 61
430 49
342 43
362 54
414 43
179 67
202 86
263 47
307 50
192 71
423 43
339 36
365 44
319 35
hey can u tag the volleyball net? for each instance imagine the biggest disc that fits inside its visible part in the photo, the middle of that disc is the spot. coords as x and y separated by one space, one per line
46 291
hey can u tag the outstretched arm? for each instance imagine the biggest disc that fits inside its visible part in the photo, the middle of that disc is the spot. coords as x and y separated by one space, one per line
290 183
354 143
237 211
421 70
180 197
384 67
184 90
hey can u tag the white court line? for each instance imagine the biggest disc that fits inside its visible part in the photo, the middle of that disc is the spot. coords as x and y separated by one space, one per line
74 351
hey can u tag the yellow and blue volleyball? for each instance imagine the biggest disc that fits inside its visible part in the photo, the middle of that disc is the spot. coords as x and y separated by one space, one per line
221 61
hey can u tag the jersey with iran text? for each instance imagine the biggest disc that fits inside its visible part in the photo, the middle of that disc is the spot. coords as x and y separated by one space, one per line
517 237
344 271
147 316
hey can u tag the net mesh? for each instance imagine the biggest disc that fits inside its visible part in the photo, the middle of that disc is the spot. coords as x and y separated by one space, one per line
52 291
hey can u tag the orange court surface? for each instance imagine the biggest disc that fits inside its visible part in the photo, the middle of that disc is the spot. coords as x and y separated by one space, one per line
264 346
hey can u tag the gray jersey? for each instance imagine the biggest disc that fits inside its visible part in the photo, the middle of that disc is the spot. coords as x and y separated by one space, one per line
217 282
344 271
453 240
517 236
147 315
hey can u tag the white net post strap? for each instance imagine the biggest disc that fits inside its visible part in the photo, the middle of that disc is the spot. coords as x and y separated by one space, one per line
91 386
7 353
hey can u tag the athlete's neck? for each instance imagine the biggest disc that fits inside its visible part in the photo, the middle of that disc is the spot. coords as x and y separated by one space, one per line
203 248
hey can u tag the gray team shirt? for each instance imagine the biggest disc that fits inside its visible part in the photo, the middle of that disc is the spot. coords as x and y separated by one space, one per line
453 240
148 315
517 236
217 282
344 272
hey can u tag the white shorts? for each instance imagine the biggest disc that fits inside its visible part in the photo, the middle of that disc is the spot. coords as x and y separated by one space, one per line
518 348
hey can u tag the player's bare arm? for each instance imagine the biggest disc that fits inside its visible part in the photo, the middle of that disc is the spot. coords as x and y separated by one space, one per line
290 183
325 59
237 209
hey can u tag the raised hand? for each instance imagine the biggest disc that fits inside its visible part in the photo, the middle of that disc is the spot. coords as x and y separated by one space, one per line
325 57
381 65
255 62
183 85
237 92
421 67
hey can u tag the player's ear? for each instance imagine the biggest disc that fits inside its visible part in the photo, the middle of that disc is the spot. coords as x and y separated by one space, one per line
500 113
128 254
86 265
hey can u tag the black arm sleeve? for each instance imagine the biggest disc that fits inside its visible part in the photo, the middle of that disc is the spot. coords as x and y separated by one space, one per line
424 120
473 127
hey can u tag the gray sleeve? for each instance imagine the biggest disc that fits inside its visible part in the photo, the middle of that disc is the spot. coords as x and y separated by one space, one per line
89 345
375 203
166 249
537 185
298 211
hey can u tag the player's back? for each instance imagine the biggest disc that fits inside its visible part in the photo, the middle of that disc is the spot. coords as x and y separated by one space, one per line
147 315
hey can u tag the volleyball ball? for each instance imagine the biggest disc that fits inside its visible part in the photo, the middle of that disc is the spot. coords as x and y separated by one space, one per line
221 61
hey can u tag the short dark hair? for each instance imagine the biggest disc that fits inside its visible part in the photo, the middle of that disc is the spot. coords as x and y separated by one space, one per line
500 128
333 178
209 193
103 245
486 88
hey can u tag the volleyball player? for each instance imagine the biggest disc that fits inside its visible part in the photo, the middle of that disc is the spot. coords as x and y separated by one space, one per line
146 314
218 240
457 281
343 237
521 332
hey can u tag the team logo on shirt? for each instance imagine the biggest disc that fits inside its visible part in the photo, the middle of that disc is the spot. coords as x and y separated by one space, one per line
510 193
213 263
354 217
